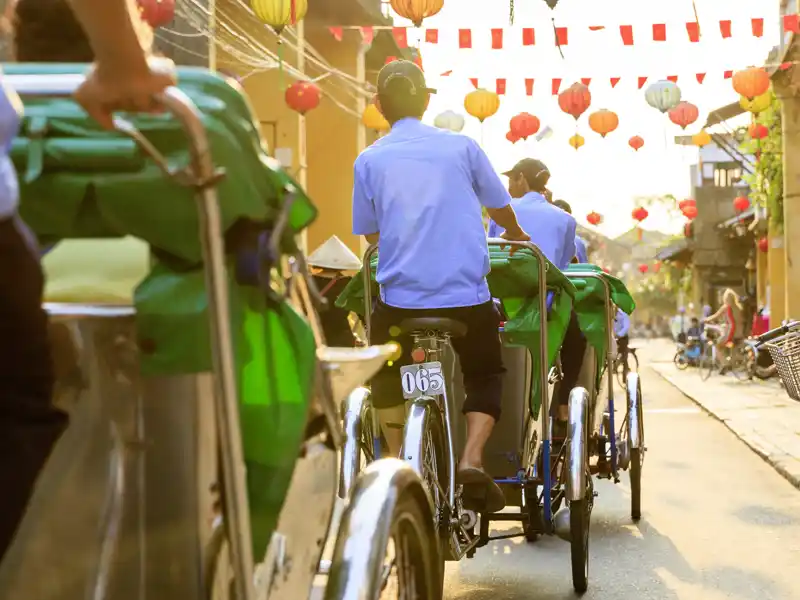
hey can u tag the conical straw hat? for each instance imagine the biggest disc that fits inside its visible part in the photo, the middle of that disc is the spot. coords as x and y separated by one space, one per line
334 254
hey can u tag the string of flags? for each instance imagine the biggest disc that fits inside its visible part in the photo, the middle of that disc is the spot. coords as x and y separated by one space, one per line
497 38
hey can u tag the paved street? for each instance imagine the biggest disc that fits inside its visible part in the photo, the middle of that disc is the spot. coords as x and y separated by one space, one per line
719 522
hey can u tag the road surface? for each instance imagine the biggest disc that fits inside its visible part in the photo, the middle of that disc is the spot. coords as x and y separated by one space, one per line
718 523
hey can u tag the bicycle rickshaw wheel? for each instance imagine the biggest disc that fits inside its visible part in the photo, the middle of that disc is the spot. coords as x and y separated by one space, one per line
636 483
579 517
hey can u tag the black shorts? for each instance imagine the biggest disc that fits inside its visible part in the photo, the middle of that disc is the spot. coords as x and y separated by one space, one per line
479 351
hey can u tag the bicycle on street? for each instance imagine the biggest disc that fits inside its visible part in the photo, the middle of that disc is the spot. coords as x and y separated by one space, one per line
737 359
626 364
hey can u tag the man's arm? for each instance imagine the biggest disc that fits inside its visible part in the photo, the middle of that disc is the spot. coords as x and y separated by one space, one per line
365 221
570 249
507 219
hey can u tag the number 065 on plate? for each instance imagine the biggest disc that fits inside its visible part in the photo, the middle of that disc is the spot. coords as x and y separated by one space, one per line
424 379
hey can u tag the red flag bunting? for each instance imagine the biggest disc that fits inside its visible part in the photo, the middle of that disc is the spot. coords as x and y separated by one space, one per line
659 32
727 74
500 87
497 39
693 29
725 28
400 36
432 36
556 85
529 87
626 32
758 27
529 36
465 38
791 23
474 82
700 77
641 82
673 78
367 35
562 38
586 81
446 73
614 81
596 27
337 33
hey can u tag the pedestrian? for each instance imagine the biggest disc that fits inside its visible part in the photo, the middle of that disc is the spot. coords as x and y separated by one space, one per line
29 423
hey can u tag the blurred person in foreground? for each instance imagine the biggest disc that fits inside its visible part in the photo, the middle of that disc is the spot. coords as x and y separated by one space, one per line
30 425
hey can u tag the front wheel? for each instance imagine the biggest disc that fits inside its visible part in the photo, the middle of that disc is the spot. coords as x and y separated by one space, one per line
579 517
636 483
743 361
680 360
707 363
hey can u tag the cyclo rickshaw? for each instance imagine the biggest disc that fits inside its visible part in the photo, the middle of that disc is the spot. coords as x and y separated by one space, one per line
204 414
551 485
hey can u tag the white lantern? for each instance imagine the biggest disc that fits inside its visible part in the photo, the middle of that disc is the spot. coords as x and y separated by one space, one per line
449 120
663 95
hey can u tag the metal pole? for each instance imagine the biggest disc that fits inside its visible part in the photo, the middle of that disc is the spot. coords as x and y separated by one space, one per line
212 40
302 165
361 106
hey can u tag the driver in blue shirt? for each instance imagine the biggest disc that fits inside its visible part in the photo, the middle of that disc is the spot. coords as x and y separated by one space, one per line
418 193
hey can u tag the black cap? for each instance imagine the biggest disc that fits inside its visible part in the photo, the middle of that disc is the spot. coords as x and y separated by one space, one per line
532 169
402 77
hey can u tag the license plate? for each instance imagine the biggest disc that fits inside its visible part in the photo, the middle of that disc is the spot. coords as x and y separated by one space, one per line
423 379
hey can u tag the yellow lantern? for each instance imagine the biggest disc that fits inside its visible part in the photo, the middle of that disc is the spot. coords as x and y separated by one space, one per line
373 119
757 104
416 10
576 141
482 104
279 13
701 138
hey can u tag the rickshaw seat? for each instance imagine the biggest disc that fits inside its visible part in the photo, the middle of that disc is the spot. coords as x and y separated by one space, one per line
442 325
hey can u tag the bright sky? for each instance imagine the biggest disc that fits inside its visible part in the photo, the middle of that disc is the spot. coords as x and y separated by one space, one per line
606 174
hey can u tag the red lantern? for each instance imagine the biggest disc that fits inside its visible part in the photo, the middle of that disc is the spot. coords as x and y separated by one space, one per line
636 143
524 125
575 100
594 218
157 13
763 244
758 131
511 137
690 212
684 114
684 203
643 269
639 213
751 82
302 96
741 204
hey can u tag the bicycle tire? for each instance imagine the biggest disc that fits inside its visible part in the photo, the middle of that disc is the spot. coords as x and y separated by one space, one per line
635 369
707 363
742 363
579 518
680 361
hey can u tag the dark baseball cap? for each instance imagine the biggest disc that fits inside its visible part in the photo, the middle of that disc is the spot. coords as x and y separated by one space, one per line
531 168
402 77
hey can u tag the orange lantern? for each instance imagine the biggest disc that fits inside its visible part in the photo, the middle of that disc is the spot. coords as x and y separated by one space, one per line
416 10
751 82
157 13
603 121
639 214
511 137
373 119
741 204
575 100
594 218
302 96
684 114
702 138
576 141
758 131
481 104
690 212
524 125
763 244
636 143
684 203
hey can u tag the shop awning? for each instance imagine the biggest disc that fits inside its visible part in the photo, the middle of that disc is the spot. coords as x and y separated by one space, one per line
678 251
743 217
715 117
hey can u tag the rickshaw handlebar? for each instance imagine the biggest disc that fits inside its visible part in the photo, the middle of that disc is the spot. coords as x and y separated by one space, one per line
777 332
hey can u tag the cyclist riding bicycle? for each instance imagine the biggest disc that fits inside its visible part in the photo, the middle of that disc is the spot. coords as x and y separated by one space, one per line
622 325
553 231
418 193
728 315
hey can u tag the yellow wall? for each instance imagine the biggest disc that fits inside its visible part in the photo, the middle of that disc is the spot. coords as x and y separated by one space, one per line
762 276
777 280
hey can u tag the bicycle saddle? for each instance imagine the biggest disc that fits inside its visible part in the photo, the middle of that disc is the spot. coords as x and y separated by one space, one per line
442 325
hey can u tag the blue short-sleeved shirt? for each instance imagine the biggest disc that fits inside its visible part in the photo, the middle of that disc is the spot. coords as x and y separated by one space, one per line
622 324
550 228
422 189
580 250
10 114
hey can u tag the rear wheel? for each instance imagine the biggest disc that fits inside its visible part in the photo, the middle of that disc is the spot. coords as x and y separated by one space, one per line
707 362
636 483
680 360
743 361
579 517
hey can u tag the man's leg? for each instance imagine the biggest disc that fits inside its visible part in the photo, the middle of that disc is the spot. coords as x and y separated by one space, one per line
480 352
29 423
572 351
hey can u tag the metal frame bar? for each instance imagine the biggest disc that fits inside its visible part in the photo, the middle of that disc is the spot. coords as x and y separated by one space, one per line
201 168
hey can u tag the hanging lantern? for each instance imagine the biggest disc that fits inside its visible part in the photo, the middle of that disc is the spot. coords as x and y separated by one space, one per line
684 203
157 13
758 104
690 212
373 119
636 143
751 82
603 121
302 96
524 125
416 10
594 218
450 120
481 104
741 204
663 95
703 138
643 269
575 100
279 13
684 114
639 214
763 244
758 131
511 137
576 141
